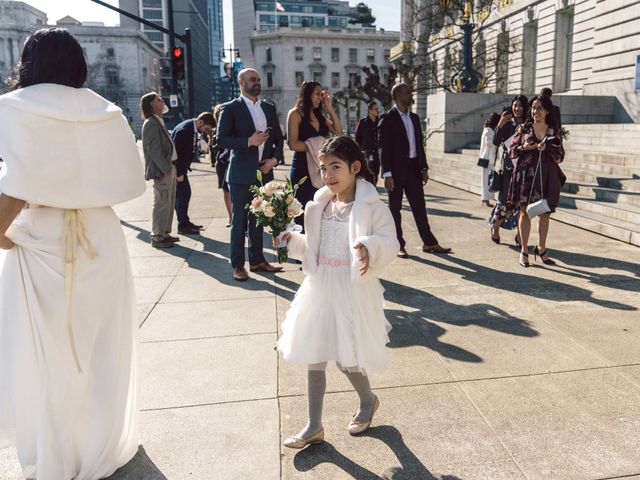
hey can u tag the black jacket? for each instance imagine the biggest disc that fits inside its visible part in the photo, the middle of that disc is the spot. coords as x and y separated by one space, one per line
185 139
394 145
367 136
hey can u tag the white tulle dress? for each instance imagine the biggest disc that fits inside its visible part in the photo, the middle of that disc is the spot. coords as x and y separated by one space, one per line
331 317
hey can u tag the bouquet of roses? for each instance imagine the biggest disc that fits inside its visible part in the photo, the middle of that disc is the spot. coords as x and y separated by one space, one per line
275 207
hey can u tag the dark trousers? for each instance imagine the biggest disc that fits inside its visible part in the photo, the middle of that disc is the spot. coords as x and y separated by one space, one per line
241 219
413 188
373 164
183 197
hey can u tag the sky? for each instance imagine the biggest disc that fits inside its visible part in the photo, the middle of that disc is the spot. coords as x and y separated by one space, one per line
387 12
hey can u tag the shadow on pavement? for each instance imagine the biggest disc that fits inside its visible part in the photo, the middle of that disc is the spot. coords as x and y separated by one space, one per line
538 287
140 467
432 309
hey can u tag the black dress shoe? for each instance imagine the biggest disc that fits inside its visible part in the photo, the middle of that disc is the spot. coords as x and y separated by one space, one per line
196 227
188 231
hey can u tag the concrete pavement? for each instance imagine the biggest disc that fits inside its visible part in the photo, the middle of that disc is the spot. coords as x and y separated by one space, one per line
497 372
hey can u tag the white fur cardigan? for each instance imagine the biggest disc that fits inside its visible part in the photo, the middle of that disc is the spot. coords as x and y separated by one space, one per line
67 148
370 223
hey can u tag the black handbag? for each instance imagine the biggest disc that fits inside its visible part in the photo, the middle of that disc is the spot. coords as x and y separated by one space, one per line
495 180
483 162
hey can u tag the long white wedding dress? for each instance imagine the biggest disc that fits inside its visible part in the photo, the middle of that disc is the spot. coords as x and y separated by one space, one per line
67 311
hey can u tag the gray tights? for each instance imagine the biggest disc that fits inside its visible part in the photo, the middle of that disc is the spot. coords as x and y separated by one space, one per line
316 386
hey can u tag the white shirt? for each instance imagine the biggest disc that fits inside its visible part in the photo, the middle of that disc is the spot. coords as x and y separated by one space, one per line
411 135
259 119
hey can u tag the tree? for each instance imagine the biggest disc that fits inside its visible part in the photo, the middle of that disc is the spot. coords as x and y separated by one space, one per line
437 43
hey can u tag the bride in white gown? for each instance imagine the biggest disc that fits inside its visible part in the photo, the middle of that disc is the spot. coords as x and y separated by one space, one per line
67 322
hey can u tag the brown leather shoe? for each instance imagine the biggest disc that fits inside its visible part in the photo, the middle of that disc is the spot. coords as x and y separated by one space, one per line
240 274
402 253
435 249
264 267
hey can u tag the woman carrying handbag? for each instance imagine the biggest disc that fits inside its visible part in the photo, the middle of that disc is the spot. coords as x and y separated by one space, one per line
487 160
537 176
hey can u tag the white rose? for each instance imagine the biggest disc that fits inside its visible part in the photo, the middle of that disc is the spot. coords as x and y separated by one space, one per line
269 211
295 209
269 188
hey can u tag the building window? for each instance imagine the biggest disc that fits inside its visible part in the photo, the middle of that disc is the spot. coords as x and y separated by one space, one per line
299 54
371 55
299 78
111 76
335 80
318 21
502 63
111 53
335 54
152 3
269 79
387 54
353 55
563 51
317 53
354 80
529 57
269 55
317 77
283 20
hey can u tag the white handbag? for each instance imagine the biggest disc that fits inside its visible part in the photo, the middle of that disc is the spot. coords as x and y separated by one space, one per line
541 206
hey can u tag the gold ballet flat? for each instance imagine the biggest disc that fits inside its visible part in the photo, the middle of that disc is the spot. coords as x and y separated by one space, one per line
295 442
356 428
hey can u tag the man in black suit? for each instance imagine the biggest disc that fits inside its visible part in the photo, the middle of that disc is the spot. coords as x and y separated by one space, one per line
249 128
555 113
185 138
404 166
367 138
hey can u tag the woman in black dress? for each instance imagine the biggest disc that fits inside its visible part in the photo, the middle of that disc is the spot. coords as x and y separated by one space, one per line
222 157
304 121
511 117
536 140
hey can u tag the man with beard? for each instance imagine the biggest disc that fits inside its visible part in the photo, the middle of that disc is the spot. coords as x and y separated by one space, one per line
404 167
367 138
249 128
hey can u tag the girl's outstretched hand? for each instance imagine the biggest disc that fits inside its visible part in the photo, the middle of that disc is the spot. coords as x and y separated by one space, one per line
285 238
364 257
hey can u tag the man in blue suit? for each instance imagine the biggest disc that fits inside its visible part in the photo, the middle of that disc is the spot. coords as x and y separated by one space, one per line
185 138
249 128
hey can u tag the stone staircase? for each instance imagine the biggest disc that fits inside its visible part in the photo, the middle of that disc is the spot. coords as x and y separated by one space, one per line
602 193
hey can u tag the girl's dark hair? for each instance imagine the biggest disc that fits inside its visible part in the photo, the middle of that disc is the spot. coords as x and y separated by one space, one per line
523 101
346 149
304 100
145 104
492 121
547 104
50 55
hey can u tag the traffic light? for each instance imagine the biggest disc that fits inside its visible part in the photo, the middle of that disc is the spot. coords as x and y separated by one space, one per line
177 62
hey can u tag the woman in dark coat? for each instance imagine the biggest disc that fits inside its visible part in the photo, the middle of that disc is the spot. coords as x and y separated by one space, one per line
510 119
536 141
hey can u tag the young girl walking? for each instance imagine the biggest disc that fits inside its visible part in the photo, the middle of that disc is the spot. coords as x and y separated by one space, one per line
337 314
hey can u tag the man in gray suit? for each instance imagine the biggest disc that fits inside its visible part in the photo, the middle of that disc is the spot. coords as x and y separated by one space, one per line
159 158
249 128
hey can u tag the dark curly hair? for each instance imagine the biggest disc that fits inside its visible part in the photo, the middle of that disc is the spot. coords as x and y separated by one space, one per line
50 55
346 149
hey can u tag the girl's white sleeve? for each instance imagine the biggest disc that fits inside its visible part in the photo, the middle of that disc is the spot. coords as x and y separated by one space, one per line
382 244
297 245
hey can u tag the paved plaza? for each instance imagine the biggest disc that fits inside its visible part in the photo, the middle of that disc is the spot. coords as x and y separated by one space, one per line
496 372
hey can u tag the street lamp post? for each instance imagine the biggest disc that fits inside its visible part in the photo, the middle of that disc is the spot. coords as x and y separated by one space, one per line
467 79
234 55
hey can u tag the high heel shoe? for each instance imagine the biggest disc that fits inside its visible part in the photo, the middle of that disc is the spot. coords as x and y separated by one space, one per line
355 428
541 254
495 239
524 263
298 443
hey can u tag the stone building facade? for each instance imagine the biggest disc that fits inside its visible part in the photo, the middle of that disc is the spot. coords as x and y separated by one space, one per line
123 64
17 21
575 47
334 57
